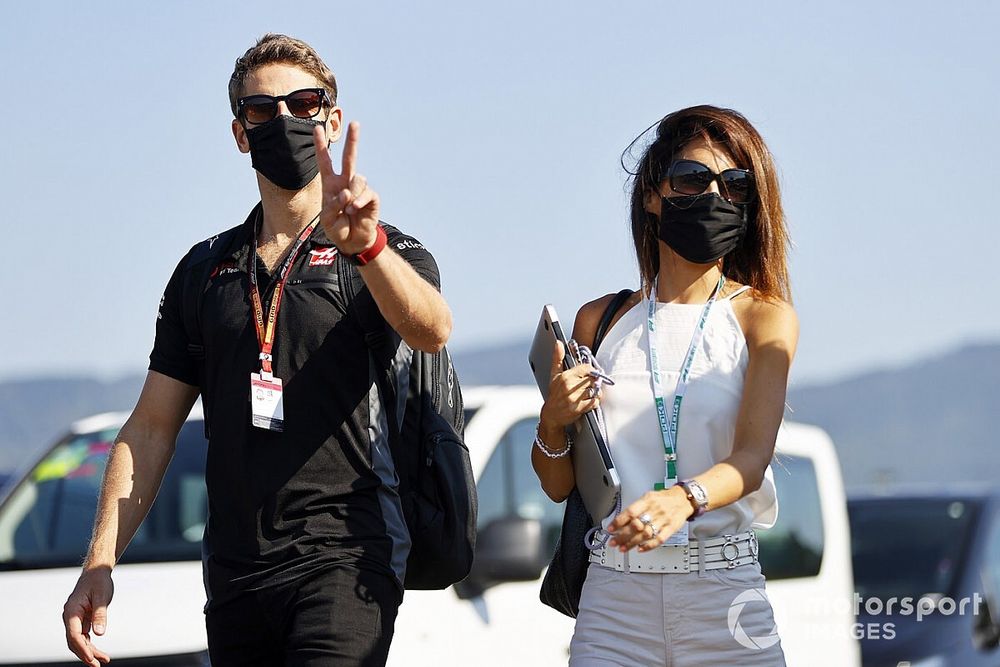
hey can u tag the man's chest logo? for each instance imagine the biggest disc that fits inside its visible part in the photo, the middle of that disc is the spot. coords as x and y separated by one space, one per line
322 256
224 269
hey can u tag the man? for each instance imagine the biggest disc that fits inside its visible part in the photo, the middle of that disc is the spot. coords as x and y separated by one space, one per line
305 541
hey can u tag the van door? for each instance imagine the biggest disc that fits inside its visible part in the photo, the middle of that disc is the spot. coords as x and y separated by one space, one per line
806 555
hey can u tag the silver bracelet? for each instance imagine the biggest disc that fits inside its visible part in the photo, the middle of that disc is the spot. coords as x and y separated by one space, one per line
553 453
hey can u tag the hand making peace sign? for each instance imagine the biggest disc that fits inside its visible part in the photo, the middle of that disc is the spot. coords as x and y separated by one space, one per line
350 208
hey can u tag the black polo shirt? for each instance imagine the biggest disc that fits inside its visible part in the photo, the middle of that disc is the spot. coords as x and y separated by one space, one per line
322 491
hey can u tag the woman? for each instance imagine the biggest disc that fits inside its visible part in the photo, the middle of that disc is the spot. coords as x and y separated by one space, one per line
708 339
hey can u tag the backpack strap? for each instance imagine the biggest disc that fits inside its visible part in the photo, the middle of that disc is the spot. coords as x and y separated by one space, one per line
373 326
609 313
201 261
380 341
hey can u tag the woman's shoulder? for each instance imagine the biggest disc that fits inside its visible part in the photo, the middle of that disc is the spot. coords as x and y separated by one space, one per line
590 314
765 318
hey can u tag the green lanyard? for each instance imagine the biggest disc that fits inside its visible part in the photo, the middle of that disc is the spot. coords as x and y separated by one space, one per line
668 428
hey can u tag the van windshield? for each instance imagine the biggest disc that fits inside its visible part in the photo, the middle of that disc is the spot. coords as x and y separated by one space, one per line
47 520
908 547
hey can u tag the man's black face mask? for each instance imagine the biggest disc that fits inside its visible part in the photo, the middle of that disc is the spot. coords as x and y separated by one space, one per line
701 228
282 149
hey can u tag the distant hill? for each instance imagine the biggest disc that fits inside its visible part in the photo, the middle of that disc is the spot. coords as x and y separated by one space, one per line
931 421
34 412
498 364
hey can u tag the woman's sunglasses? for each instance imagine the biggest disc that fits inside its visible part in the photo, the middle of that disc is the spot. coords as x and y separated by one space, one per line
305 103
689 177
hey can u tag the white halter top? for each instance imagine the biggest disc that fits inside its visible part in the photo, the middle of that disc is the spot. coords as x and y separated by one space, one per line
708 416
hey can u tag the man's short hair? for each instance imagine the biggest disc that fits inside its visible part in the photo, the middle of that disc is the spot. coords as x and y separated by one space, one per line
275 48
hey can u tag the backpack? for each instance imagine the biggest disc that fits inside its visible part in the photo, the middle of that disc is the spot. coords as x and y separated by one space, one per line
436 485
424 409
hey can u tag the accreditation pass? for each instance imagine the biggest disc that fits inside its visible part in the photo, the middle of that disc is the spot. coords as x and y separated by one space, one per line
265 402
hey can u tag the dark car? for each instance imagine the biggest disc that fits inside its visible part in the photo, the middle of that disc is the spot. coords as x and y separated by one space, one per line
927 578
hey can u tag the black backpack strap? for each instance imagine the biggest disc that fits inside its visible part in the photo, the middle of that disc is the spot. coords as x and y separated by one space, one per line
382 343
609 313
201 261
372 325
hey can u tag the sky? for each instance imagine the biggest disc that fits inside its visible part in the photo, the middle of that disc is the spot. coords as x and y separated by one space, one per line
493 133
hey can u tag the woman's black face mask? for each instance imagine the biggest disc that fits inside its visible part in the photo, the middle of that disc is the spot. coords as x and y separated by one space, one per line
702 228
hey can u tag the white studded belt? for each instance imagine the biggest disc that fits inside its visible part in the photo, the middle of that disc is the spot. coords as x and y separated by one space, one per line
726 551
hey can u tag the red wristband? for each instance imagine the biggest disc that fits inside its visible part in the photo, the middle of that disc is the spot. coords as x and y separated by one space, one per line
363 258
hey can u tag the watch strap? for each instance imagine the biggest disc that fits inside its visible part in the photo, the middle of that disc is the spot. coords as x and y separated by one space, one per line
699 504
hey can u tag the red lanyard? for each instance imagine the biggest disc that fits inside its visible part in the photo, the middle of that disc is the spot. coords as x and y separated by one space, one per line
265 333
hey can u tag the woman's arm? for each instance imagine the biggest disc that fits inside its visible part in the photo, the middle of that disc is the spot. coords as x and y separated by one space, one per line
771 329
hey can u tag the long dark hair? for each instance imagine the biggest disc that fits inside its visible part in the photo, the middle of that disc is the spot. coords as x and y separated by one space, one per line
760 260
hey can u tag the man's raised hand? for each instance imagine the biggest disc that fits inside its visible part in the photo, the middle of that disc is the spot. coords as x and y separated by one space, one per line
350 208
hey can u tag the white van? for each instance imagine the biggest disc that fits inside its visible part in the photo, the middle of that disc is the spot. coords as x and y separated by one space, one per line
156 615
493 618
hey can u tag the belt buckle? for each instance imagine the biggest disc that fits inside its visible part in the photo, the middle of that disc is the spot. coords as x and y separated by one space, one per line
730 547
754 545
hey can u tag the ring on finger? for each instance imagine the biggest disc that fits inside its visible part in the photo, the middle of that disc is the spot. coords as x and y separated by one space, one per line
646 519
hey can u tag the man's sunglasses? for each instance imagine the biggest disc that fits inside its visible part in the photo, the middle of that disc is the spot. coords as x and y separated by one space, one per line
305 103
689 177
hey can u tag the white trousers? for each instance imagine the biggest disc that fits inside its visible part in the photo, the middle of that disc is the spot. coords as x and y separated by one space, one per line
675 620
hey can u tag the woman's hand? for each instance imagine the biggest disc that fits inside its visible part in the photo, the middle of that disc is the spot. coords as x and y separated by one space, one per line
571 394
667 511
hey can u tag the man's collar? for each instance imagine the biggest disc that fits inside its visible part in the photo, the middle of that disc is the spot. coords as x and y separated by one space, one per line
243 242
319 237
253 222
248 236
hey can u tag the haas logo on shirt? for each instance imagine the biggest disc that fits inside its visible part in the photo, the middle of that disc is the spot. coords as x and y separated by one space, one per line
322 256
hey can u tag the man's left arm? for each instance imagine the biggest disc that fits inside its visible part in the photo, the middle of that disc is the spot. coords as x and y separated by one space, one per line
409 301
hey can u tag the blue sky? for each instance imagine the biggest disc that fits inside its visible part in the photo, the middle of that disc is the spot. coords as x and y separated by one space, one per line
493 133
